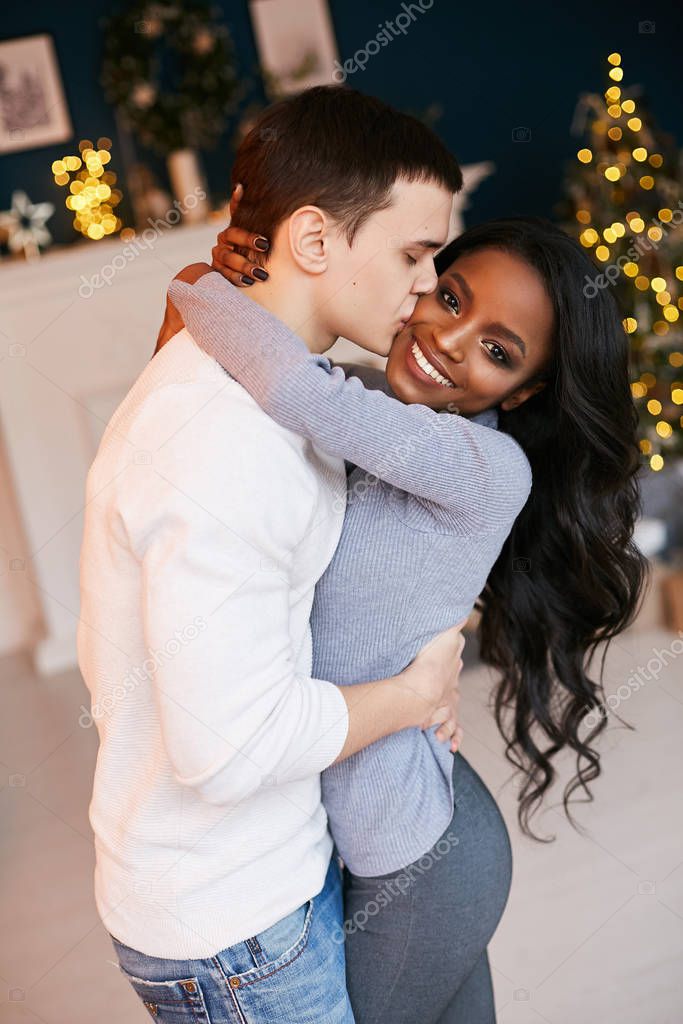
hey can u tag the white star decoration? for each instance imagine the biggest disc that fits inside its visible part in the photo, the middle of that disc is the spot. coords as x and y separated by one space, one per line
472 174
25 224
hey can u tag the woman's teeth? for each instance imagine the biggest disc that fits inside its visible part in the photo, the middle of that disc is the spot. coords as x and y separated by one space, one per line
429 369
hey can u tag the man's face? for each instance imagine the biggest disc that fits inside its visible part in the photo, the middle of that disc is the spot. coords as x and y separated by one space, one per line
371 287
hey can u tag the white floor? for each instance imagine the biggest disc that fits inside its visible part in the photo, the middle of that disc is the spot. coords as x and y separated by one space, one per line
593 929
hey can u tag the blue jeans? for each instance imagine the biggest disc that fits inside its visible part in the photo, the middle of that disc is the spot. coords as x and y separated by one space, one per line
292 972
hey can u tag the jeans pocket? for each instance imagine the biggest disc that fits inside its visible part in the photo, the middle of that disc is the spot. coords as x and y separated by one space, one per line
171 1002
278 946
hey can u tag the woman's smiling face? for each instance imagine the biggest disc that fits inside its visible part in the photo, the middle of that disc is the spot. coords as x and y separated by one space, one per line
485 332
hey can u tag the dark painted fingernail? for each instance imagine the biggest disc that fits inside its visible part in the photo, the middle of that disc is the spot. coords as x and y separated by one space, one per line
247 280
261 243
261 274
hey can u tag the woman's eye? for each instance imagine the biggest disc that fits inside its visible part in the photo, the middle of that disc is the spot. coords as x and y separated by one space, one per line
498 349
411 261
447 296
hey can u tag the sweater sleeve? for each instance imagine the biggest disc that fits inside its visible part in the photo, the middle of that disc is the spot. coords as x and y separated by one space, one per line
214 535
481 476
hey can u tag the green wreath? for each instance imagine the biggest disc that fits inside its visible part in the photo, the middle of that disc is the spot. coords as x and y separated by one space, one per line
169 69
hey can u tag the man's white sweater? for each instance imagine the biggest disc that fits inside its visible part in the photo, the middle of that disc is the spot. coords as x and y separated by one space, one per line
207 526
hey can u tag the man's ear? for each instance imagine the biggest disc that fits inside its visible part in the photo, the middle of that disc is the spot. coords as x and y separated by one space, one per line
309 239
522 395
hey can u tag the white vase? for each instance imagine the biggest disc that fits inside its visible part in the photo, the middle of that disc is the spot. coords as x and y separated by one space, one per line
188 184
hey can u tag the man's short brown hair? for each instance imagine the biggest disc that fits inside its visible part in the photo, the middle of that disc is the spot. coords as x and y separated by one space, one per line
333 147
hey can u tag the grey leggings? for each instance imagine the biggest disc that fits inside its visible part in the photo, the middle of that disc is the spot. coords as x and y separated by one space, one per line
416 939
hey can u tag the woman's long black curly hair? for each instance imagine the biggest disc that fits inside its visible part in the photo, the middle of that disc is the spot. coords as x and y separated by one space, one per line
569 576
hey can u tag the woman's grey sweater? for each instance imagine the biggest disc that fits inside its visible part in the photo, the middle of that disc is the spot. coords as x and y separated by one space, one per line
431 501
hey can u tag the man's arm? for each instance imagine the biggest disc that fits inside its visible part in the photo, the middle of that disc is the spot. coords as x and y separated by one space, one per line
215 536
381 708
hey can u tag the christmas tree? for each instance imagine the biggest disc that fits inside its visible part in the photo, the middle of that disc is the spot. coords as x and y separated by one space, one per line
624 204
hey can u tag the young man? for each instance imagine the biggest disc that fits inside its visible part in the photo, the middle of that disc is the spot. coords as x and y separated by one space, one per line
214 874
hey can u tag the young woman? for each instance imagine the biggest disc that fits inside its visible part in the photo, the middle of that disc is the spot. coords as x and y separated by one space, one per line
520 500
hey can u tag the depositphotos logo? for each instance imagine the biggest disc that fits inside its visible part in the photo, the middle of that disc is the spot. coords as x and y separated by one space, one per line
147 239
388 33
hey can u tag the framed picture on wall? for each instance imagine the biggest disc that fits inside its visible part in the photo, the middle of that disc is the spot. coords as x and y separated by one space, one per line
296 44
33 110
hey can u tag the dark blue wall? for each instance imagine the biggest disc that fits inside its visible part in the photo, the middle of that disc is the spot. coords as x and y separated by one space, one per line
491 67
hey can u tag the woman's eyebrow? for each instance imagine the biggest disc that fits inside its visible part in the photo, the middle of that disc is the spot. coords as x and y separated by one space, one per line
510 335
455 276
495 327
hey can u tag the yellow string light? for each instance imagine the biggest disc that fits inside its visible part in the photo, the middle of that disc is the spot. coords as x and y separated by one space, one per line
91 196
613 161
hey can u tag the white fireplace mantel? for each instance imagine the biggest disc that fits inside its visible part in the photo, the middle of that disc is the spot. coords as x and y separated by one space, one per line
66 361
68 355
